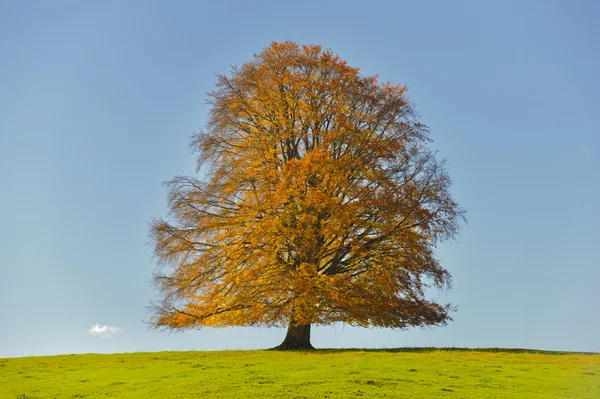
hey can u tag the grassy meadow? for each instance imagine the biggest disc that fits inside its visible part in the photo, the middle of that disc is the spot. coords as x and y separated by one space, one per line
402 373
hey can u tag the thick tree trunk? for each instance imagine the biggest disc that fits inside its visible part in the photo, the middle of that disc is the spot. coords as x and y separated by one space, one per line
297 337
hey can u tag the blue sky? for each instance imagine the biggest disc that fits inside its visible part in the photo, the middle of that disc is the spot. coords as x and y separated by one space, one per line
98 100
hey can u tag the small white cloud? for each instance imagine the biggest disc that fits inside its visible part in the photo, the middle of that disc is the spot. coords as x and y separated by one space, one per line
104 331
585 149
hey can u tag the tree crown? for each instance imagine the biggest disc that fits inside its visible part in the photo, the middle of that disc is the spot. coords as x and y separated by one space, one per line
320 203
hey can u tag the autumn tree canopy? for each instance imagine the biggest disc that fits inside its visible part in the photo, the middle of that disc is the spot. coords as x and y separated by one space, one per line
318 202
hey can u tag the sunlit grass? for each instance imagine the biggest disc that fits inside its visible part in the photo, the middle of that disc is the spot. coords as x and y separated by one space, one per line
409 373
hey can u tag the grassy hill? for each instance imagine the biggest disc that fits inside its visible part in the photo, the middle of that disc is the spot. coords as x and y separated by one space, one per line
401 373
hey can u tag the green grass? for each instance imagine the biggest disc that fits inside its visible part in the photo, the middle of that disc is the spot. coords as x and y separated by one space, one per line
402 373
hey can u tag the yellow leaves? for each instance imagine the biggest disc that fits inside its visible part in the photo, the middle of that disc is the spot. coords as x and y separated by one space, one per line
319 205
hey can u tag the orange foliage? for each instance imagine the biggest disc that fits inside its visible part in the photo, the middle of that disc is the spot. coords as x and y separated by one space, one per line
320 203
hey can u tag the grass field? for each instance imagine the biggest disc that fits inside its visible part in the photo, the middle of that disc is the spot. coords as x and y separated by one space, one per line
402 373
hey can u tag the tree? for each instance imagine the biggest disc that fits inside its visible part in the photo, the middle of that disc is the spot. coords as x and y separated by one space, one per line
320 203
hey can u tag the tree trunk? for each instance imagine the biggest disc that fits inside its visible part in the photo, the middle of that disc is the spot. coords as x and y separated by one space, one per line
297 337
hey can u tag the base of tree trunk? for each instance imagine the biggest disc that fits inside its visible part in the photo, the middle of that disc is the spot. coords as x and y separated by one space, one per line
297 337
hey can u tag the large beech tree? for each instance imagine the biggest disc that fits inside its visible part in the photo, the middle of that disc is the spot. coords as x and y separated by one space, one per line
319 202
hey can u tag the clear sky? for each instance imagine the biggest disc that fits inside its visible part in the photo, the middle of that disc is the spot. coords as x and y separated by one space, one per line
98 100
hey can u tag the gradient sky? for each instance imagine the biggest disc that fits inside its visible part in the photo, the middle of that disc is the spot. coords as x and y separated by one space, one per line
98 100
